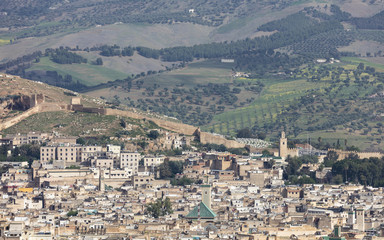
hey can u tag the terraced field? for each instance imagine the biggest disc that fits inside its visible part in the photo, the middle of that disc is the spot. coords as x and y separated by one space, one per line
275 105
266 108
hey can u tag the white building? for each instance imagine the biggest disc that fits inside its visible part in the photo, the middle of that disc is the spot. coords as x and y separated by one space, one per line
130 160
151 161
115 149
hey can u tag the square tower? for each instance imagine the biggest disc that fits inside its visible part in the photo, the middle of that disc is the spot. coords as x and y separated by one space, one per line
283 148
360 220
206 198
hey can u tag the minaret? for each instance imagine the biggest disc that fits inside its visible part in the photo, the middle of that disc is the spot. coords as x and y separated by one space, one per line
283 148
351 217
101 181
360 220
206 199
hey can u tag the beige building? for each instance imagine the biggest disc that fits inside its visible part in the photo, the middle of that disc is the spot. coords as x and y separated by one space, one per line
219 161
89 151
130 160
257 178
152 161
48 153
104 163
142 180
69 153
115 149
29 138
175 141
289 192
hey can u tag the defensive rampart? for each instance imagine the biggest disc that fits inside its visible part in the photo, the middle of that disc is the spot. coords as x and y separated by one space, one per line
170 125
180 128
18 118
173 126
344 154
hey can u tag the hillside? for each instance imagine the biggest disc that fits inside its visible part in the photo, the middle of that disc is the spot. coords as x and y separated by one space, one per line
166 58
35 25
310 101
34 106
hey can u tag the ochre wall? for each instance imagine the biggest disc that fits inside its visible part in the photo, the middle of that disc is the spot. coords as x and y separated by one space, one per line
172 126
344 154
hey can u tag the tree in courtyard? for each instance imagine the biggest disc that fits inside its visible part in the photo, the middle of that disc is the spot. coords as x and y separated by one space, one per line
165 170
159 208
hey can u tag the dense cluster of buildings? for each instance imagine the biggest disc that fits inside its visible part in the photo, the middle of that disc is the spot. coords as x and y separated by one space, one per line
102 192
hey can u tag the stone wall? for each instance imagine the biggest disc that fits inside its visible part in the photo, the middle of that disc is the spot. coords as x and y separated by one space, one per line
293 152
344 154
180 128
169 125
18 118
210 138
172 126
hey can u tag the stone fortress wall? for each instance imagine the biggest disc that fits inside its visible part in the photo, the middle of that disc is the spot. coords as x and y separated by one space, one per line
180 128
38 105
344 154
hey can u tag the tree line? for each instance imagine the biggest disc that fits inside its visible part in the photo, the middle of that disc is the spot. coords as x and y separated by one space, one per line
64 56
374 22
366 171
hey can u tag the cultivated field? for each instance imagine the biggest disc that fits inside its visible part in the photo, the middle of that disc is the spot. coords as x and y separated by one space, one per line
276 95
85 73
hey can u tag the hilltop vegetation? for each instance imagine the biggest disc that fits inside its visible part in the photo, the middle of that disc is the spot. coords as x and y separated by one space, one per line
49 17
272 82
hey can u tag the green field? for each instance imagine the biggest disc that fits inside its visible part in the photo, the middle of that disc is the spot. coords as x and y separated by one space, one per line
281 101
78 124
277 94
4 41
189 77
86 74
356 60
195 73
365 143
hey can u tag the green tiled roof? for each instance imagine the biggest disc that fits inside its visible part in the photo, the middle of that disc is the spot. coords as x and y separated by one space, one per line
205 212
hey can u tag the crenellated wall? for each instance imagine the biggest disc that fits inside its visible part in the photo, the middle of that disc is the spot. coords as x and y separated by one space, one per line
344 154
293 152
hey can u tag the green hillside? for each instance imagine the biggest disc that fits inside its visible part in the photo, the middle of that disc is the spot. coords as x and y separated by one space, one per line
85 73
81 124
166 57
